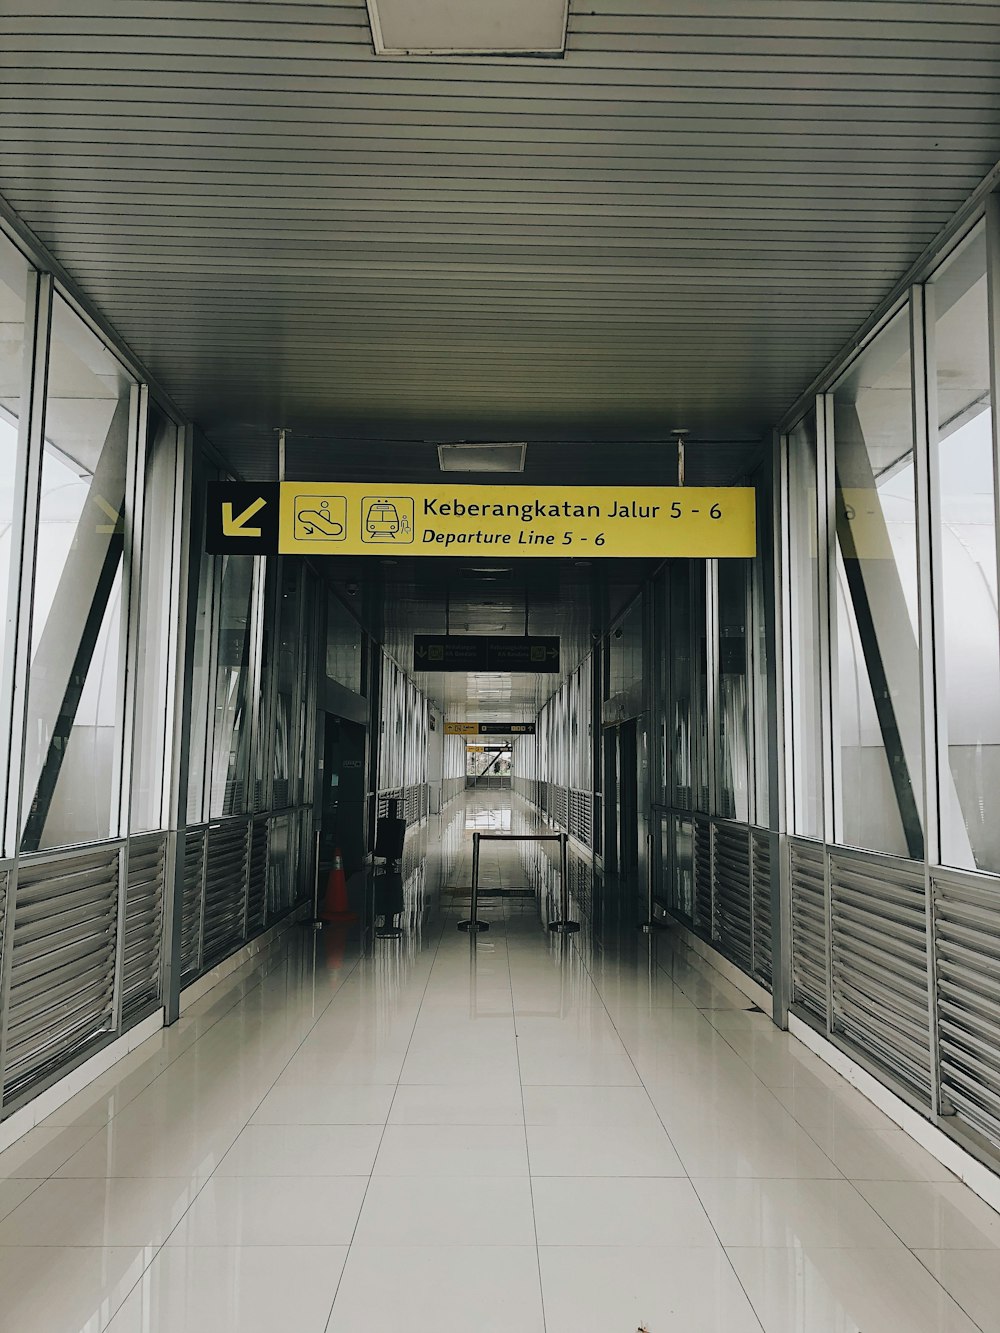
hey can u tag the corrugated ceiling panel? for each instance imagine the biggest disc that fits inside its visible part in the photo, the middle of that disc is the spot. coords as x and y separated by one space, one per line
675 225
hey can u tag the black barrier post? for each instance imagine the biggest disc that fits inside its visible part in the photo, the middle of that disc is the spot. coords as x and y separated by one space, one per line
474 924
565 926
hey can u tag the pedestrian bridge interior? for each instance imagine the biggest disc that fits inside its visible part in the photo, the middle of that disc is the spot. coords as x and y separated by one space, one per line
253 1075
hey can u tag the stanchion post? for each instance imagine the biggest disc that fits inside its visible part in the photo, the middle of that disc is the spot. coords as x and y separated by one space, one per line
565 926
316 923
473 925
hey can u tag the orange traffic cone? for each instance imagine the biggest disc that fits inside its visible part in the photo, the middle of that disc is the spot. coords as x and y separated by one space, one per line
335 906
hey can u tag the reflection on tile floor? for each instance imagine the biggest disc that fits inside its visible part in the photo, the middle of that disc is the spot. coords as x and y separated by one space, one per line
522 1134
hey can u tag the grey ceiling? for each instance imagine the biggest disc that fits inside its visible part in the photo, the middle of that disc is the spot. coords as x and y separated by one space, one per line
675 225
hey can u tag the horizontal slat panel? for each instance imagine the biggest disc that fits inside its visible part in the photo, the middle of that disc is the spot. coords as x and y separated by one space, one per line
968 999
732 928
62 972
191 907
225 890
880 963
761 870
702 914
809 927
143 923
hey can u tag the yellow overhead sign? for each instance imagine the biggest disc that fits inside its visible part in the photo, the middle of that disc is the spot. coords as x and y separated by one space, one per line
660 521
461 728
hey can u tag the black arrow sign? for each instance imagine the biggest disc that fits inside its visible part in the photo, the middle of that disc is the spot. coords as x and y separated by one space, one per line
479 652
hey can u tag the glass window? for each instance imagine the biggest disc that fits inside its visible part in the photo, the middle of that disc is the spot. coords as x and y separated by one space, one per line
734 758
969 647
13 281
806 778
879 794
152 684
231 744
74 741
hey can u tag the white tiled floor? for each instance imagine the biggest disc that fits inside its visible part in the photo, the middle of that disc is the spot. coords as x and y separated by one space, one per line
527 1135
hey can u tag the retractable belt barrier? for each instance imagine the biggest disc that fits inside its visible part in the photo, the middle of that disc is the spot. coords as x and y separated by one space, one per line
564 926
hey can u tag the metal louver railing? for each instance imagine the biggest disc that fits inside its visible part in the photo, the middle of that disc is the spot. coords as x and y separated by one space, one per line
257 879
809 933
191 904
62 966
880 997
143 925
224 926
760 870
581 816
968 998
701 916
732 928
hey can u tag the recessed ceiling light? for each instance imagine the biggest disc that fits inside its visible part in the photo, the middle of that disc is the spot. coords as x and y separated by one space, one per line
481 457
468 27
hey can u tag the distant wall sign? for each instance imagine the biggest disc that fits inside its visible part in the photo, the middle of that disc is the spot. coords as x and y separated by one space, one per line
537 654
328 518
489 728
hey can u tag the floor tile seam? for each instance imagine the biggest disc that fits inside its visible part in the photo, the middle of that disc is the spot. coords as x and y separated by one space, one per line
950 1295
687 1174
841 1174
247 1121
156 1251
914 1251
212 1175
385 1126
527 1150
273 959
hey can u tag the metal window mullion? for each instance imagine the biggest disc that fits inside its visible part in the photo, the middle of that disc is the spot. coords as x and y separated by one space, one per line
299 692
213 641
779 684
712 720
133 511
992 225
826 541
272 612
184 593
826 546
933 705
255 695
24 542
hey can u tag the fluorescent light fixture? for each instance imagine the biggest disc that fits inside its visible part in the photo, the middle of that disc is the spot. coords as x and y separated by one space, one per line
468 27
482 457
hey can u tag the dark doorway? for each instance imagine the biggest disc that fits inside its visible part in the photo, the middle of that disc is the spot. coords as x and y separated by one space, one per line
343 813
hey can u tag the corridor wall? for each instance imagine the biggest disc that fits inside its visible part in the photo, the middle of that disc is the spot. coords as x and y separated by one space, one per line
890 713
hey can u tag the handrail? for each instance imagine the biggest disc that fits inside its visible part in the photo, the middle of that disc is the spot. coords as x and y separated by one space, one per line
564 926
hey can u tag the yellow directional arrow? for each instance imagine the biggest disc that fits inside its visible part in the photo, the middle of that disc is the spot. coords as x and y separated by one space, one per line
236 527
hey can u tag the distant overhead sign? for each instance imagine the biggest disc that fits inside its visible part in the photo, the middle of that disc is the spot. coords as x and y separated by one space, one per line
489 728
348 518
479 652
